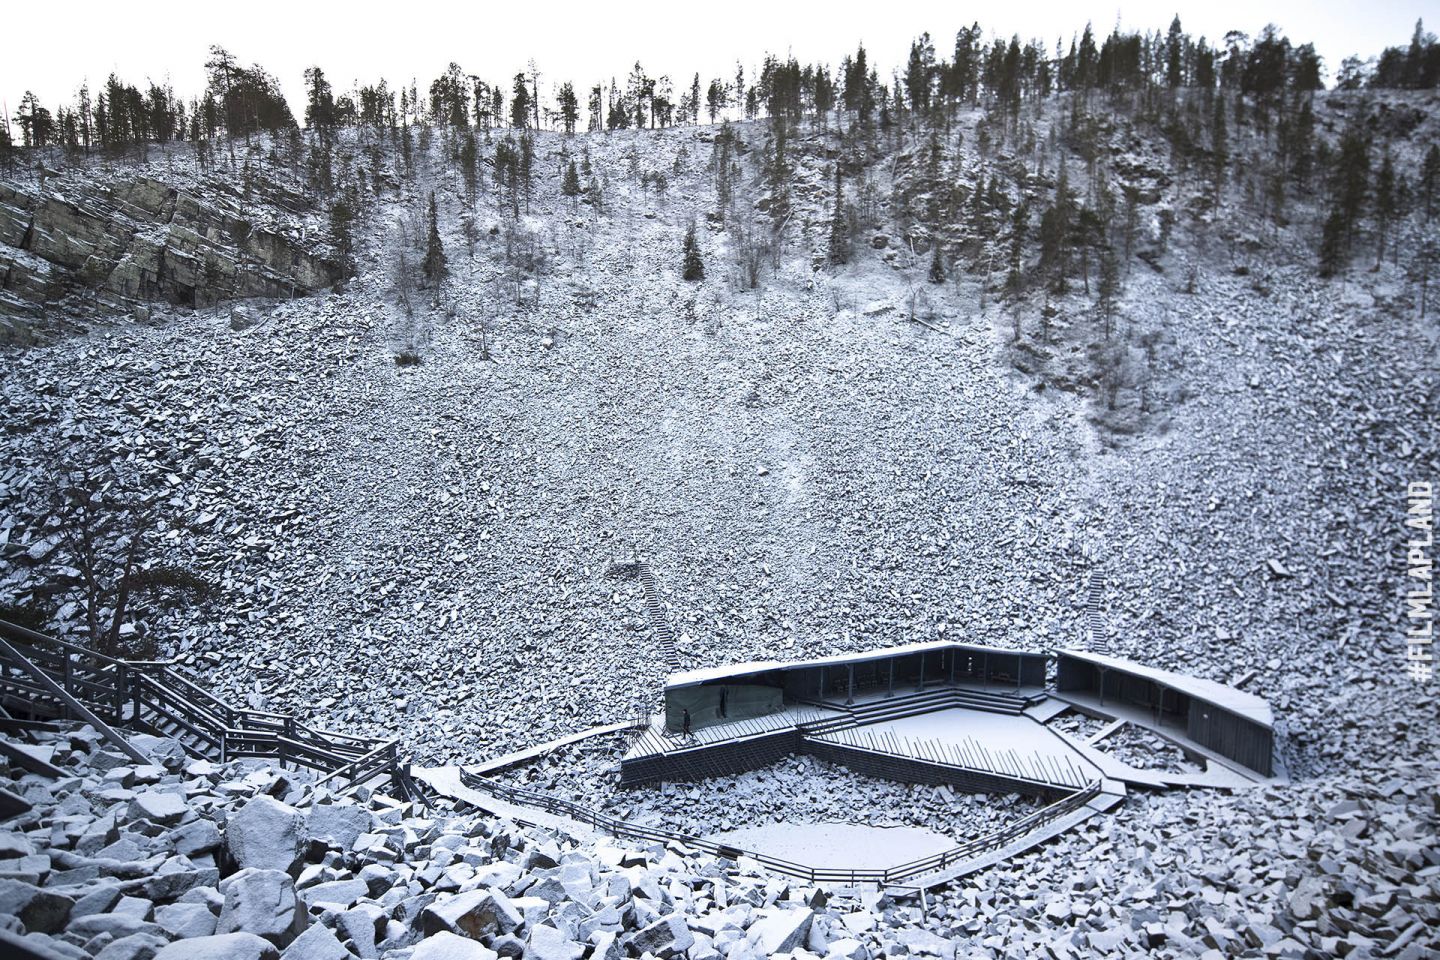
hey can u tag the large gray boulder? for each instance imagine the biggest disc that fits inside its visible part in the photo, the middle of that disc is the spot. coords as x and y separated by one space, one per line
13 843
361 926
665 938
448 946
37 946
228 946
780 931
158 807
547 943
266 834
479 913
261 902
165 751
337 824
318 942
343 892
41 911
185 920
196 838
137 946
113 924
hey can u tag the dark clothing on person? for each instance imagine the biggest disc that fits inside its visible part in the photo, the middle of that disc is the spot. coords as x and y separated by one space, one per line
685 723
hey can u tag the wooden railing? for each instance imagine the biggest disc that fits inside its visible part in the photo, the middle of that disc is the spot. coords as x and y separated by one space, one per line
153 695
897 875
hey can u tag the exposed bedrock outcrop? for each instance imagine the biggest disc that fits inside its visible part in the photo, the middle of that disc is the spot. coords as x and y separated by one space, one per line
144 240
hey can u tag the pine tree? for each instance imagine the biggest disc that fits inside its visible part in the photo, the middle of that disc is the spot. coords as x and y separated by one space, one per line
724 142
527 165
520 103
342 234
1332 245
319 102
597 117
1349 185
1174 48
433 266
1054 243
937 266
569 107
570 186
1386 205
1219 146
470 165
694 267
1015 280
1109 286
1430 178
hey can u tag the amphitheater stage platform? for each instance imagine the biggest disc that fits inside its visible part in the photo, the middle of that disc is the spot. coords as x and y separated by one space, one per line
838 846
979 738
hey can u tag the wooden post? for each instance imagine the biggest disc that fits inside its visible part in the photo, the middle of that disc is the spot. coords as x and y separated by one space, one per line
284 735
136 700
921 685
122 679
66 683
890 691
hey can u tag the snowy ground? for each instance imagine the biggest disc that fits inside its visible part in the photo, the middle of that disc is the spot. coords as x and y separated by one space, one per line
838 845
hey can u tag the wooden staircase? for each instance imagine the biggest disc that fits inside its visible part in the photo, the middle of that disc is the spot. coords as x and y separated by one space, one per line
659 620
48 678
914 704
1095 614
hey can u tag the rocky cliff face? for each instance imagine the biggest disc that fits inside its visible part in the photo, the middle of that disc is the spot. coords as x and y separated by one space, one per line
141 240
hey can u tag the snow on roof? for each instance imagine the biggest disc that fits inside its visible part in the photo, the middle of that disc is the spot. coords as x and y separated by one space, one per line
690 678
1235 701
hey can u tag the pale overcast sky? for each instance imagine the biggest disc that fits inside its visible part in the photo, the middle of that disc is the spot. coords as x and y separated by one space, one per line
51 47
